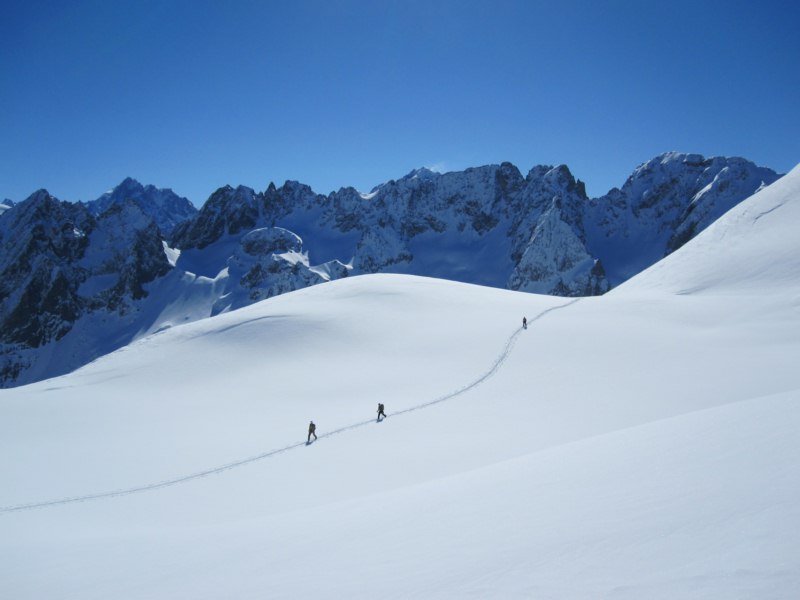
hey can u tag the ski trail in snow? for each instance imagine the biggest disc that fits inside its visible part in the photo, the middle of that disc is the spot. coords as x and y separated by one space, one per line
152 486
495 367
197 475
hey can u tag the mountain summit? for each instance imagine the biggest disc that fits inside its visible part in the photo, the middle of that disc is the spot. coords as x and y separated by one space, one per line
164 206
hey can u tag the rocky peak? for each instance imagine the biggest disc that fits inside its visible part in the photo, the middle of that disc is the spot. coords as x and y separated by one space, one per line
545 184
42 240
296 196
733 180
165 207
556 262
42 223
556 179
60 264
119 229
130 186
663 204
37 206
508 183
126 245
421 173
227 211
5 205
664 186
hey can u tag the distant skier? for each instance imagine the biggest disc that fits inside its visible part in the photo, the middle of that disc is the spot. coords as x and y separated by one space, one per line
311 431
524 323
381 413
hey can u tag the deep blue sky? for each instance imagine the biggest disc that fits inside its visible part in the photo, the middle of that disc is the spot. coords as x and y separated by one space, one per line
194 95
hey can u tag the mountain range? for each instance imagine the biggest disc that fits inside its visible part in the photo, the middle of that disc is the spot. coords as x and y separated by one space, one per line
78 280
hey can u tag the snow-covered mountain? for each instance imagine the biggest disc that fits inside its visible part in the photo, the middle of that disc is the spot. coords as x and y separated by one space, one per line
640 444
5 205
79 280
472 226
164 206
61 267
490 225
663 204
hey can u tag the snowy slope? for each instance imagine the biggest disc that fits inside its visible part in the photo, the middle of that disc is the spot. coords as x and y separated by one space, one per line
636 445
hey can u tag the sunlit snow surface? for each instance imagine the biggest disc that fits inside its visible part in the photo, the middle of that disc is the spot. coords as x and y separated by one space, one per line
638 445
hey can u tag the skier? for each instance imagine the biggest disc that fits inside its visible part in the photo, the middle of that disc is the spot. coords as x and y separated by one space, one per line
381 413
524 323
311 431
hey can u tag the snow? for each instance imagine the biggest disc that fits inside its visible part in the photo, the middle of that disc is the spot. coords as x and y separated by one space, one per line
640 444
172 254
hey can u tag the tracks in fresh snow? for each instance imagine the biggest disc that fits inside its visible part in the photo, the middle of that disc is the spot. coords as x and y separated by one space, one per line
196 475
495 367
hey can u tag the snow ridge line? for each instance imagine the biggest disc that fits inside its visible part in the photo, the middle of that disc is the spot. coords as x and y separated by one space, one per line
213 471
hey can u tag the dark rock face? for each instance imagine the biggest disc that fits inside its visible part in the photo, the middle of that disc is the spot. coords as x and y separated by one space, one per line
59 264
127 246
228 211
42 240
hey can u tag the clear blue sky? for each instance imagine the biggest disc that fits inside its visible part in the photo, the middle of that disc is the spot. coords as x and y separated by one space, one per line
198 94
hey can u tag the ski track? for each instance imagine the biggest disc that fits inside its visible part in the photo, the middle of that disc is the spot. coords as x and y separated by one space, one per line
163 484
